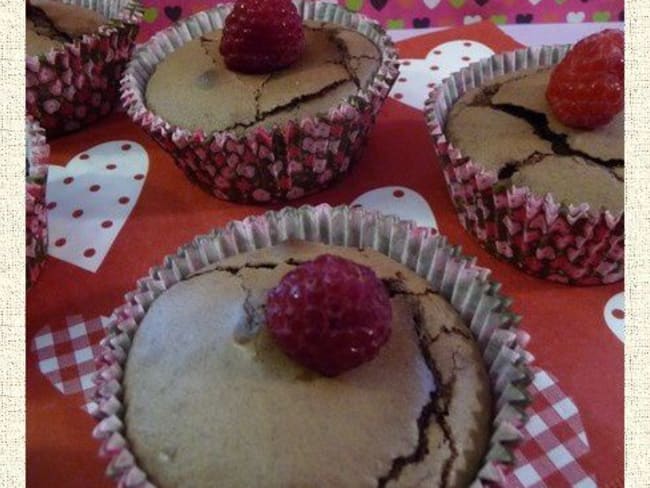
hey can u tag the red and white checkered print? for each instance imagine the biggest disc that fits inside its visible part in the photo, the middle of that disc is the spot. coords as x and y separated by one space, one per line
66 357
554 440
554 437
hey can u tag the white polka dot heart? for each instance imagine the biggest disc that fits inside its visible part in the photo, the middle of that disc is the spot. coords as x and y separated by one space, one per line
418 76
399 201
614 315
90 199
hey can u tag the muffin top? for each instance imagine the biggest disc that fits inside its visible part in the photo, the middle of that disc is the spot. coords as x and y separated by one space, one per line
508 127
50 24
192 87
202 404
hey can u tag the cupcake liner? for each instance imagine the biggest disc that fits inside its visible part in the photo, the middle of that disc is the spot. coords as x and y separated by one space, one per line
71 87
263 165
465 285
36 155
577 245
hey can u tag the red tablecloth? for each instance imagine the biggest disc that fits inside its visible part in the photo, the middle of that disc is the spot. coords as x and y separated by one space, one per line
570 338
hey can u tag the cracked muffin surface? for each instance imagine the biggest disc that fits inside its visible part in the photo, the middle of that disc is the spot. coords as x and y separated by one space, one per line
50 24
193 88
508 127
210 397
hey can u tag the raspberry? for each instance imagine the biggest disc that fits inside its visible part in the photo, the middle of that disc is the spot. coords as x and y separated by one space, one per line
586 88
261 36
329 314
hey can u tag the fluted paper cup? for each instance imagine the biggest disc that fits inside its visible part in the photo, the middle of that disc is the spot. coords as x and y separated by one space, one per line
72 86
455 277
36 155
577 245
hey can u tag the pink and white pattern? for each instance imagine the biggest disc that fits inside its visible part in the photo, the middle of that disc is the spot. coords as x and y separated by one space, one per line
37 152
406 14
73 86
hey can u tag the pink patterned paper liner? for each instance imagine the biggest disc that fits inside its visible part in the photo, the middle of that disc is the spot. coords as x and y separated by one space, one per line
283 163
71 87
485 311
36 154
577 245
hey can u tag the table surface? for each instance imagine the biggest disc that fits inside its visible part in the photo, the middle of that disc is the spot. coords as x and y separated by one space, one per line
570 336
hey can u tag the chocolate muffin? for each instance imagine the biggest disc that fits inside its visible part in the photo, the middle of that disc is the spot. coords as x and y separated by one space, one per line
543 196
508 127
207 95
281 135
204 402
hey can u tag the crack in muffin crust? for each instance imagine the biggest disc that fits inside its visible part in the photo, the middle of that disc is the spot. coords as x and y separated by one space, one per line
561 147
44 26
436 408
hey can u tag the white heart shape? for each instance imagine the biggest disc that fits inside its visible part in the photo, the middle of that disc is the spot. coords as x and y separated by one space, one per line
616 304
472 19
90 199
453 55
431 4
534 2
417 76
575 17
400 201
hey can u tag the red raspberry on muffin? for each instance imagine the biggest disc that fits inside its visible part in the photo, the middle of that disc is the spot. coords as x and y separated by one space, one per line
586 89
